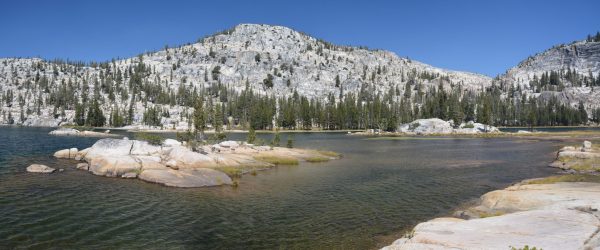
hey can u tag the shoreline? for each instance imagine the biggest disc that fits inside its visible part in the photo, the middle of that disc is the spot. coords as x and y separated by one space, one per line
520 214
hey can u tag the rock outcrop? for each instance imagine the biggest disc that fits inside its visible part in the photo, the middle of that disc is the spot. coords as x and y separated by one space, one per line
172 164
584 159
66 153
560 212
439 126
75 132
39 168
547 216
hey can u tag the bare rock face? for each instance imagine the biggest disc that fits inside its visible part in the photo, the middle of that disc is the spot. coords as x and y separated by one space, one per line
544 229
83 166
439 126
186 158
113 166
200 177
66 153
39 168
64 131
109 147
547 216
75 132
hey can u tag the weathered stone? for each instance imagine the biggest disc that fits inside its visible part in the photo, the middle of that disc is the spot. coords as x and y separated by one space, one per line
439 126
171 142
66 153
144 148
543 229
39 168
113 165
200 177
64 131
129 175
172 164
83 166
185 158
547 216
587 146
229 144
109 147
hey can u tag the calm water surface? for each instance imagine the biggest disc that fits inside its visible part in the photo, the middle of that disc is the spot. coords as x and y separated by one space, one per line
379 189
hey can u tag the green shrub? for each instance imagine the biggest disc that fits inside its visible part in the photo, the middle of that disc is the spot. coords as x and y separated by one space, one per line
186 136
251 136
469 125
153 139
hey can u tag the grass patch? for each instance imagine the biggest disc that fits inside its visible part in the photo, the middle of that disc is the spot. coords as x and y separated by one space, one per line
581 164
233 172
277 160
486 214
567 178
317 159
329 153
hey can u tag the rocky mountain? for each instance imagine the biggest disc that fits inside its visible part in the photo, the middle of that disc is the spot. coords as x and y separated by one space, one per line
572 73
271 61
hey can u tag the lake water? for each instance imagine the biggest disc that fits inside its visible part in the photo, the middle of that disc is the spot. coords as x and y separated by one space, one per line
366 199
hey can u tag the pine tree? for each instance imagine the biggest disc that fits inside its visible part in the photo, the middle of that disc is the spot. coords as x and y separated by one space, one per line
95 116
79 115
199 118
251 135
276 140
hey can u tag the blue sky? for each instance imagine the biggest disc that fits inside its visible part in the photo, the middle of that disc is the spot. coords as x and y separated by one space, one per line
486 37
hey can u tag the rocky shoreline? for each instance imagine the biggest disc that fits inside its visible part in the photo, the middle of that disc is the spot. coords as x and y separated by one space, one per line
85 133
435 126
558 212
176 165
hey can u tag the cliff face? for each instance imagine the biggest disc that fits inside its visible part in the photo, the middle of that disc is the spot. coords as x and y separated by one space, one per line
582 56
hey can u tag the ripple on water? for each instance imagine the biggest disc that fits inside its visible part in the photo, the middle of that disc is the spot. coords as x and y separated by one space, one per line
379 188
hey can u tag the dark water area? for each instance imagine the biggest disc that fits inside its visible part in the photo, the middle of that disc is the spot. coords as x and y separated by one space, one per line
379 188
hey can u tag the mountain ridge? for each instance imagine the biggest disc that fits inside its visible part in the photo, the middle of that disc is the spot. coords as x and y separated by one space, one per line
271 60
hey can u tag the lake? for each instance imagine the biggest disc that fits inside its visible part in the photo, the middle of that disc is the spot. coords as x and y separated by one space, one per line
364 200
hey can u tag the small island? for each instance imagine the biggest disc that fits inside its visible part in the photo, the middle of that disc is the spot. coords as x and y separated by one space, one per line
176 164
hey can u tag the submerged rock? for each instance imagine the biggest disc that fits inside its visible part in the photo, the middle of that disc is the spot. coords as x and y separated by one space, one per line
39 168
